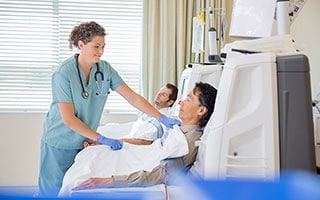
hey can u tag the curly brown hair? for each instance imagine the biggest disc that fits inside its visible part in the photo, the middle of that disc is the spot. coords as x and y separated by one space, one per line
85 32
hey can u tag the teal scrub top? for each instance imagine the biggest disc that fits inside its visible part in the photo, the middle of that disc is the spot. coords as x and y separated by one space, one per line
66 87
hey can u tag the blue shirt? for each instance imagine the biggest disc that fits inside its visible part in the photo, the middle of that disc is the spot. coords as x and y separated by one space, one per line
66 87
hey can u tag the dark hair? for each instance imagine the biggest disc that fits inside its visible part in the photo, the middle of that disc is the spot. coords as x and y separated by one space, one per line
85 32
174 92
207 98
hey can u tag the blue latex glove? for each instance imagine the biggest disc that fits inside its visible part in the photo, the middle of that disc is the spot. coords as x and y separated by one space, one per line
113 143
169 122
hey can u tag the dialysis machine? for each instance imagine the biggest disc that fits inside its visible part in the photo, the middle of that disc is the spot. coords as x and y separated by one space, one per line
205 72
262 123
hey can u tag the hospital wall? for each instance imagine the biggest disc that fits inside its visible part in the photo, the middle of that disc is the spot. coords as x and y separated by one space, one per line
20 132
20 148
306 32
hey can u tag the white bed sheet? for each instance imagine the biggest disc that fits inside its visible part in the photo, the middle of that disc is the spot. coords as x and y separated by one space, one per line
146 127
101 161
115 130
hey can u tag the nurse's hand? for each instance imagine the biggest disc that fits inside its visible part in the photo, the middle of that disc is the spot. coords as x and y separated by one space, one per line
113 143
169 122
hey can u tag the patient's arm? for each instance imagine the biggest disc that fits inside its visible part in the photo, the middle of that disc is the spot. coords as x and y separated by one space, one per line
139 178
90 143
95 183
136 141
128 140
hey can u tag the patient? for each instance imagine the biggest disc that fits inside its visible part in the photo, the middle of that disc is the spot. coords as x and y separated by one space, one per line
147 128
195 112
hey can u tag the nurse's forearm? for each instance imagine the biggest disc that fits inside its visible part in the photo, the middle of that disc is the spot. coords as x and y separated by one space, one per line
74 123
144 106
137 101
81 128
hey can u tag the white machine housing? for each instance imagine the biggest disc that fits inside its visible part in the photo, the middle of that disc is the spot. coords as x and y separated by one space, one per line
262 121
209 73
241 139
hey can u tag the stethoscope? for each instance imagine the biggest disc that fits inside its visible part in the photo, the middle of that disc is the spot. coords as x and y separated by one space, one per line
84 93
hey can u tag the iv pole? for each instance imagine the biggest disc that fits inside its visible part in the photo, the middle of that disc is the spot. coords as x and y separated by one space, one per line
212 37
283 19
286 12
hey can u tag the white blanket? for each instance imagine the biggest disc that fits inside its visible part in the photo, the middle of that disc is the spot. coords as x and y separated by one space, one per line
101 161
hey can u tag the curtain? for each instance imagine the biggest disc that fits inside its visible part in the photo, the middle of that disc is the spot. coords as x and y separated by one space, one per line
167 41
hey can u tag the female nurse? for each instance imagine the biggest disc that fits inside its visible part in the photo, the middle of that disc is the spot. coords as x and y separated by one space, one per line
80 88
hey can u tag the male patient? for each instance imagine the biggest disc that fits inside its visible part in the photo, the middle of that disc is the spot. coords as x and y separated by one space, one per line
195 112
146 129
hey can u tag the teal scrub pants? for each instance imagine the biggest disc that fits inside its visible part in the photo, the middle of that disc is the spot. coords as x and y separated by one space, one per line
54 163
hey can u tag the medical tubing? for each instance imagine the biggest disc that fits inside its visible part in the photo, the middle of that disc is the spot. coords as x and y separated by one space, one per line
314 104
165 182
84 94
317 108
158 127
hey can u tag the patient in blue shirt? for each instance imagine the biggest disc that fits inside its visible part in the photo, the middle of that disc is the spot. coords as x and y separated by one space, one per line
147 129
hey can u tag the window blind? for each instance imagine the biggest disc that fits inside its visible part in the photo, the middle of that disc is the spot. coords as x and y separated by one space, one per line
34 40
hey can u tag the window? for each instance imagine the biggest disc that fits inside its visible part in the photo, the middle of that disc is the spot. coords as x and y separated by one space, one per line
34 40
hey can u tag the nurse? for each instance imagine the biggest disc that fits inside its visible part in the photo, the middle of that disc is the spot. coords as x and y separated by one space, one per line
80 88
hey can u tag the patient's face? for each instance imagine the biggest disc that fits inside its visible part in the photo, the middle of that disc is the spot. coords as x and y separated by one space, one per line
162 97
190 109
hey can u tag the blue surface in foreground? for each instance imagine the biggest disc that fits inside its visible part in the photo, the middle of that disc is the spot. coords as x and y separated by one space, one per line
292 186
